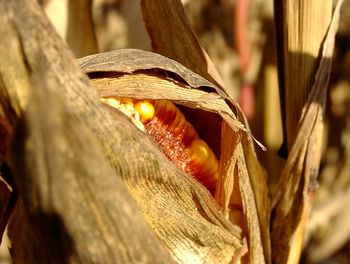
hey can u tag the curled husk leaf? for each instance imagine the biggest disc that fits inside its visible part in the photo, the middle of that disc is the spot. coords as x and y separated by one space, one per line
142 75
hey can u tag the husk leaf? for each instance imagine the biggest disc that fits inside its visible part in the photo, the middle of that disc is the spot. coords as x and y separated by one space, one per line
154 82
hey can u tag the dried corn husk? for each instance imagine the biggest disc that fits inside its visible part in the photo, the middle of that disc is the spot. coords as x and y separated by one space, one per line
75 207
84 201
180 210
172 35
146 75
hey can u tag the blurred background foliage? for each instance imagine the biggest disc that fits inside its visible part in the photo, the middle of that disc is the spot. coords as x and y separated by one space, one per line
239 37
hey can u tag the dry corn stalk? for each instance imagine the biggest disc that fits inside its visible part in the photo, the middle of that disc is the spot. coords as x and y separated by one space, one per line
305 50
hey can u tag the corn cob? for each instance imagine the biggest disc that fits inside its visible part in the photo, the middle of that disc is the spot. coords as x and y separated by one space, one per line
177 138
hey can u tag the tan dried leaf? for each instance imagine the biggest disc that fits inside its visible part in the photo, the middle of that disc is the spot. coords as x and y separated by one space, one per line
293 198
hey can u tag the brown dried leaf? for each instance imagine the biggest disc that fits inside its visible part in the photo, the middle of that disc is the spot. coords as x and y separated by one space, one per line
299 43
258 179
70 192
294 194
172 36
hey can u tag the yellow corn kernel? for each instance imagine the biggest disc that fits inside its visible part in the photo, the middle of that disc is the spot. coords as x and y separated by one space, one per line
188 134
203 161
178 125
175 121
203 164
199 151
145 109
166 112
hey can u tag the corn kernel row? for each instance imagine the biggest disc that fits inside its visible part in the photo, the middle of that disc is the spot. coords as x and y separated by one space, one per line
202 163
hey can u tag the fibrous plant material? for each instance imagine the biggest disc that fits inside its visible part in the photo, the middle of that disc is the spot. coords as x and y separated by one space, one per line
179 209
90 207
143 78
311 46
62 191
171 35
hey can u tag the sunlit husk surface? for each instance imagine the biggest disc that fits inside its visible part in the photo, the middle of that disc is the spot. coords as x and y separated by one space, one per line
194 98
144 75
